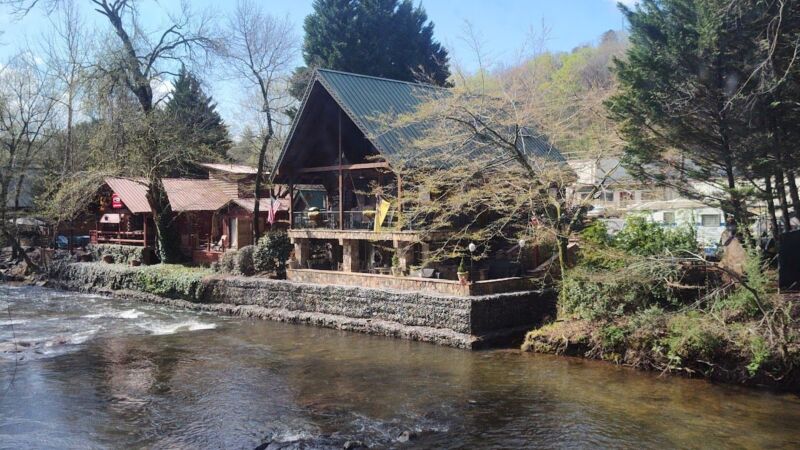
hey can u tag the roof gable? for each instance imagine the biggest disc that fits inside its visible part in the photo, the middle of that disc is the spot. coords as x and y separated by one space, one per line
368 101
133 193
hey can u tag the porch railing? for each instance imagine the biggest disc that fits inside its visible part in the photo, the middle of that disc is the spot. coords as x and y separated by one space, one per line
353 220
118 237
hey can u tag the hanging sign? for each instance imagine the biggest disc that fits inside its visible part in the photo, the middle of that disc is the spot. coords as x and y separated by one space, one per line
116 201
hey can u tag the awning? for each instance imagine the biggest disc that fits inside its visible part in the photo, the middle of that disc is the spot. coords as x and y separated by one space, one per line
110 218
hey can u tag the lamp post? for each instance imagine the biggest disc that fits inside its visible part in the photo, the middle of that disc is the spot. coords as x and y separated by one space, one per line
521 244
472 247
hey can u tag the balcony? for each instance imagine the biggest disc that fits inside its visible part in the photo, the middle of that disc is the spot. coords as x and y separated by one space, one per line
351 220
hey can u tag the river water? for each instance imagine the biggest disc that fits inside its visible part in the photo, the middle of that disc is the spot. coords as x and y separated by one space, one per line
82 371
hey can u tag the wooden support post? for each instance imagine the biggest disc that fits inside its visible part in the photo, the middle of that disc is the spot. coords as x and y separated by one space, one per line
291 205
341 178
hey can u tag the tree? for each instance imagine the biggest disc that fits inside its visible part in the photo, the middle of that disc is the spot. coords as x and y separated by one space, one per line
195 117
260 49
384 38
482 165
137 61
676 82
26 111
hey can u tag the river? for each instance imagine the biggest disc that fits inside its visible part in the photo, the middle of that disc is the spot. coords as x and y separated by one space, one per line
83 371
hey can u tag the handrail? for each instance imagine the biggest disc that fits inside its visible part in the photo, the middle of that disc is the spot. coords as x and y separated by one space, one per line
353 220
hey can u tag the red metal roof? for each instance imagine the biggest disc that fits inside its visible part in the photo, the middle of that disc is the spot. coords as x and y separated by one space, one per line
194 195
133 193
249 204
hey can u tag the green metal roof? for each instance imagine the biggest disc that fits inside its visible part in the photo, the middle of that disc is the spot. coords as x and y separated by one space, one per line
369 101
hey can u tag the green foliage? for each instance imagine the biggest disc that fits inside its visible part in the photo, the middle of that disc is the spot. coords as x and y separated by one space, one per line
647 238
173 281
760 354
692 336
612 337
396 260
350 35
194 116
272 252
461 267
596 233
607 294
227 262
243 263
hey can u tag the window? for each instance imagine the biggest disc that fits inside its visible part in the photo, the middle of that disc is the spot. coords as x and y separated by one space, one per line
709 220
669 218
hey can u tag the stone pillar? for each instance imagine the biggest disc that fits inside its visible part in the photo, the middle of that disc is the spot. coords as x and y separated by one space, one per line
302 252
351 260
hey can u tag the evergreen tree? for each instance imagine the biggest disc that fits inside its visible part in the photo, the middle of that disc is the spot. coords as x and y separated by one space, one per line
384 38
674 103
194 118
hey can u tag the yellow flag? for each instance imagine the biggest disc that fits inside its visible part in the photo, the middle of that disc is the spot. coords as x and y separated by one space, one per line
380 214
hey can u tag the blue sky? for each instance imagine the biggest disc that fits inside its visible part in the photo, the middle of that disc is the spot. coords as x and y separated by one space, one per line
504 26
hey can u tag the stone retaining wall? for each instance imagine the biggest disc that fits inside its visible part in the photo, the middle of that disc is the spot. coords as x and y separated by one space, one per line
460 321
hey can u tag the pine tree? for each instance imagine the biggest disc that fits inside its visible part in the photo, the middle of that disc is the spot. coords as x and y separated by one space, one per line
384 38
673 105
194 118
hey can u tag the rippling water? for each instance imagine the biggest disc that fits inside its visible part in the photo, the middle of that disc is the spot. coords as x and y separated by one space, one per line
92 372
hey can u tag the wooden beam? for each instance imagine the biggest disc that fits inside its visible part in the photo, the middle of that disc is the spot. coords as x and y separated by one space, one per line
341 177
291 205
362 166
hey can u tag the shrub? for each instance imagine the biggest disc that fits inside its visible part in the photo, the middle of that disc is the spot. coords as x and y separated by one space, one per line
596 233
173 281
243 262
272 252
227 262
607 294
643 237
612 337
692 336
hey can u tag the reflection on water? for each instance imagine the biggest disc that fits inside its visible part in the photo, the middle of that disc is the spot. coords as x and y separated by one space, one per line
98 373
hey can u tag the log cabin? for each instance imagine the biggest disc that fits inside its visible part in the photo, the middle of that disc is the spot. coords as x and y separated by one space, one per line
212 214
337 141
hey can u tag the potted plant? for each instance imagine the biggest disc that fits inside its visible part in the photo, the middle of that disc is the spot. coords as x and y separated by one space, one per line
397 271
463 275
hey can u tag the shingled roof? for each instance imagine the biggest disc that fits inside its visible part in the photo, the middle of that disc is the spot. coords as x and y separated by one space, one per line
369 100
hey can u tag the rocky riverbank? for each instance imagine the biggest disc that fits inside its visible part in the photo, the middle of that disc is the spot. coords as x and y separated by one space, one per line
463 322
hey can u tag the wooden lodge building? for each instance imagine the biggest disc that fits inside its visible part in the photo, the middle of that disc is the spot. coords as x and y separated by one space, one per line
336 150
213 214
337 141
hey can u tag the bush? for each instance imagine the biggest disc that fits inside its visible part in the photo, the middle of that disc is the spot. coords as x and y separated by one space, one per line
272 252
607 294
173 281
243 262
227 262
692 336
646 238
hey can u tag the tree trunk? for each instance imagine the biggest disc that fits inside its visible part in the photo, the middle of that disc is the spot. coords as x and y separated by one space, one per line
770 197
167 242
262 156
793 192
781 191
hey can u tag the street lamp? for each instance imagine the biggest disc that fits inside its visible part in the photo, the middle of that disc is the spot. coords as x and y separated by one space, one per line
472 247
